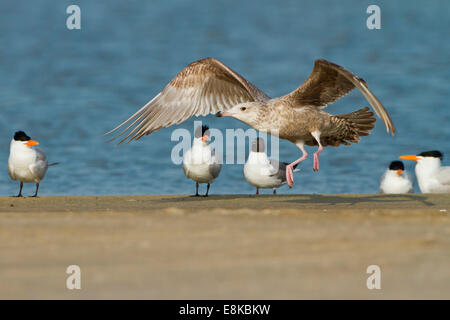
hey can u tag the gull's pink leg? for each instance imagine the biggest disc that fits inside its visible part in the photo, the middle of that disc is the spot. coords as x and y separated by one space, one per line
290 167
316 135
316 158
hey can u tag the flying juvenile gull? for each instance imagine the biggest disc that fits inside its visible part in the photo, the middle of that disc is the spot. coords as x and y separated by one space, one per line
200 163
262 172
208 86
396 180
25 163
431 175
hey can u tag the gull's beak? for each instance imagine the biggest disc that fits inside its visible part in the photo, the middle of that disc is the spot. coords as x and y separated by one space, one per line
399 172
31 143
205 138
410 157
223 114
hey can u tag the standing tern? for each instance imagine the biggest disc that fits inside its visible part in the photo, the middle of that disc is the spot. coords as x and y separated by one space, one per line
432 177
396 180
209 86
200 163
26 164
262 172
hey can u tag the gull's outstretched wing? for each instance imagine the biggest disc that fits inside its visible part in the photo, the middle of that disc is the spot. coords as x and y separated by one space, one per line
203 87
327 83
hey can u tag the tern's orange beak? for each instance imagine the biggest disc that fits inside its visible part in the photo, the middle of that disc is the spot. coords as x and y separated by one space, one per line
205 138
399 172
31 143
410 157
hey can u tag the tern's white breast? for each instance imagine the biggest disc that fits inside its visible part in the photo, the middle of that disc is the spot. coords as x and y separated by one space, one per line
22 162
200 164
391 182
432 177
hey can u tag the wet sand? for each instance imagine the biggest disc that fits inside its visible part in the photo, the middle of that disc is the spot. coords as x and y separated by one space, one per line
226 247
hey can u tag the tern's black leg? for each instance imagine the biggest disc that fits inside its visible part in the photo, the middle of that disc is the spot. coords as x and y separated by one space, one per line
196 189
207 190
37 188
257 190
274 191
20 190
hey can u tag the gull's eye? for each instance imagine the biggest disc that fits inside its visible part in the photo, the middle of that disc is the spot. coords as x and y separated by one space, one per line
243 108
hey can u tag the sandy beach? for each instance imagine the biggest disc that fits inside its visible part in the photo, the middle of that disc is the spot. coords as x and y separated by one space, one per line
226 247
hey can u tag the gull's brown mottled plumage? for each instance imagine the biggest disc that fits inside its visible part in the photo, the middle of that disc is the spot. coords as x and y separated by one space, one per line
208 86
328 82
203 87
348 128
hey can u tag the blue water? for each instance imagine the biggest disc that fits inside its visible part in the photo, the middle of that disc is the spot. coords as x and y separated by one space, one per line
66 88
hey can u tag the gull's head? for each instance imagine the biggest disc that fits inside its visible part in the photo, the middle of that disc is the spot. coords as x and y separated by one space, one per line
201 134
397 167
427 158
246 112
22 139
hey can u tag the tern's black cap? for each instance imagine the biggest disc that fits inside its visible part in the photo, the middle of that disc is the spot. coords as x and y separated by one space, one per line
21 136
258 145
200 131
396 165
432 154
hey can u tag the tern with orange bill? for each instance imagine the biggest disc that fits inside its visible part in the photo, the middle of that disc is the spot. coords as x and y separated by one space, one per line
201 163
396 180
209 86
26 164
431 175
